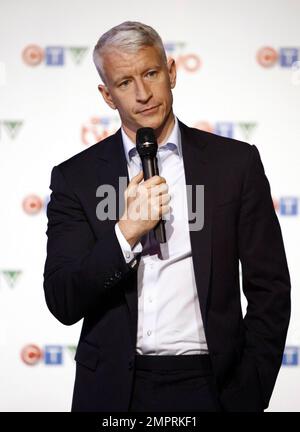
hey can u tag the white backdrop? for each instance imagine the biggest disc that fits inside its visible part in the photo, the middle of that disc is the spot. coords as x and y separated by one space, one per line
50 109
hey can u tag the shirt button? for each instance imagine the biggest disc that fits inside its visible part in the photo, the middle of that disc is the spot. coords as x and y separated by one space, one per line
127 254
149 332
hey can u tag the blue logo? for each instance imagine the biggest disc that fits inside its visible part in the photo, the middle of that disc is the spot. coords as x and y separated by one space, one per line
224 129
54 56
287 56
288 206
53 354
291 356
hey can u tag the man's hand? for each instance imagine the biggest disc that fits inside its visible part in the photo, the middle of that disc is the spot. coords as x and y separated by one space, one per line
145 203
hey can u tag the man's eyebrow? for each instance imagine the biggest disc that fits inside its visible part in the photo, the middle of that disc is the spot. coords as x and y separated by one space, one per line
155 66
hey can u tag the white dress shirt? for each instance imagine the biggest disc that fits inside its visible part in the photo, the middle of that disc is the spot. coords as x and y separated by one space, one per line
169 316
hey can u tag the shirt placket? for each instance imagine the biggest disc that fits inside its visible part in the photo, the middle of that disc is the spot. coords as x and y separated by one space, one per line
150 303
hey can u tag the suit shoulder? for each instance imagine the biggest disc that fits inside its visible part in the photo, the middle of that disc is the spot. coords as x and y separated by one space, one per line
222 143
83 159
218 148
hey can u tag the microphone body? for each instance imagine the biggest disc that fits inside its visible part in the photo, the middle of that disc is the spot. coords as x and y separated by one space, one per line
146 146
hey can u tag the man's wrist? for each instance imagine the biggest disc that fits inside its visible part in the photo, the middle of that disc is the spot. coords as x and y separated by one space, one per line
130 238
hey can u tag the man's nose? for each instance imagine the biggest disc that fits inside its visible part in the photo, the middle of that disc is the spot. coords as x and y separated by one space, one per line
143 92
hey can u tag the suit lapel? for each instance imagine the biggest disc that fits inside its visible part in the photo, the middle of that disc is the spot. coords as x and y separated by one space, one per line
198 172
111 165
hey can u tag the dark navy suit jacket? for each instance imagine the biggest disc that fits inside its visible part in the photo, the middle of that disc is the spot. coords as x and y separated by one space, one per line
87 277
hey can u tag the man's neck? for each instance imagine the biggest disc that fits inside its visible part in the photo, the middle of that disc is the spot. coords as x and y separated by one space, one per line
164 131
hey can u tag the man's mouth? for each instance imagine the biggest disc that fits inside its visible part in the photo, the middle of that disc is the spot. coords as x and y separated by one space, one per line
149 110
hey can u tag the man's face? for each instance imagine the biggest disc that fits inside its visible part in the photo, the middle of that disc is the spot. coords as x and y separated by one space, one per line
139 86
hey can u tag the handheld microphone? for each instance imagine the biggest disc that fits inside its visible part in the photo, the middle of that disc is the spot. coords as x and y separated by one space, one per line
146 146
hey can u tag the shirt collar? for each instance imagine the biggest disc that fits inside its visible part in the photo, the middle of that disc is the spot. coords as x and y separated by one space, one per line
174 138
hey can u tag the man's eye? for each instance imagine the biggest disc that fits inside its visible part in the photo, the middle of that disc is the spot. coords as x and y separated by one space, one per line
152 73
124 83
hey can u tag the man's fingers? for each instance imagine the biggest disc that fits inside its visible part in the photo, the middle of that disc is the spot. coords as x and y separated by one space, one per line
154 181
133 184
137 179
164 199
164 209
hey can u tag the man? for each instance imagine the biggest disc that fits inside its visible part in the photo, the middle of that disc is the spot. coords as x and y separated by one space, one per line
163 327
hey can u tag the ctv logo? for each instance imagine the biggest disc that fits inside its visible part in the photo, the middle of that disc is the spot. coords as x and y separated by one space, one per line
241 130
34 55
287 206
291 356
285 57
33 204
97 128
189 62
49 355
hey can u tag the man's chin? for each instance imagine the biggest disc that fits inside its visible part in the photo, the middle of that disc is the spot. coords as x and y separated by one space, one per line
153 123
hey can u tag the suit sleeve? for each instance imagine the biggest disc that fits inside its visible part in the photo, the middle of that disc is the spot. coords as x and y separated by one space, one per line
266 281
80 269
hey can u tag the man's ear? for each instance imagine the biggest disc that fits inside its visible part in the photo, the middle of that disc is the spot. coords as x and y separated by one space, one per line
172 72
106 96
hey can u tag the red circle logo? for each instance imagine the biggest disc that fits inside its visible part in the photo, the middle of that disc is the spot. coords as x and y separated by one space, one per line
267 57
189 62
205 126
276 204
33 55
32 204
31 354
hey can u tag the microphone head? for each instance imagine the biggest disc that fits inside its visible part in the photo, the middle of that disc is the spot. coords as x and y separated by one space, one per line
146 143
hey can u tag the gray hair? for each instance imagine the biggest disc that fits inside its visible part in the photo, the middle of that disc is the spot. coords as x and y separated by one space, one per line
129 36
